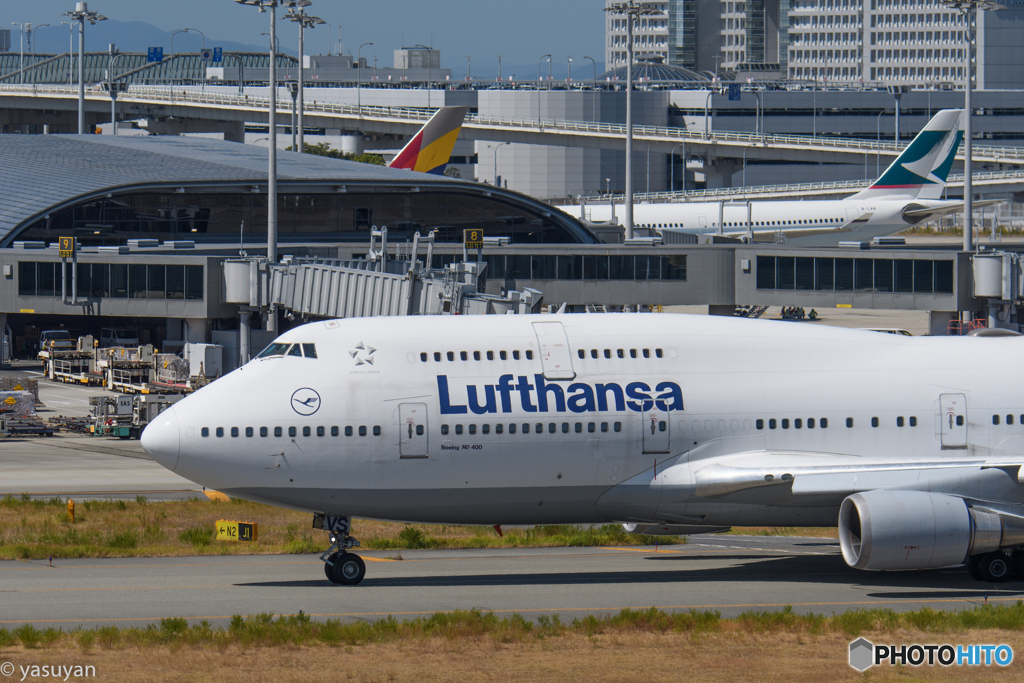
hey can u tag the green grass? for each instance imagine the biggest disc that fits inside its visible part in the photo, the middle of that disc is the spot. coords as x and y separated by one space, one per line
269 630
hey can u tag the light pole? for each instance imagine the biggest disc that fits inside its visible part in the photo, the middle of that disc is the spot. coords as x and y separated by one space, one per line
569 77
186 30
595 66
878 142
21 53
632 10
359 81
113 87
71 46
496 160
304 21
82 15
32 49
542 58
969 9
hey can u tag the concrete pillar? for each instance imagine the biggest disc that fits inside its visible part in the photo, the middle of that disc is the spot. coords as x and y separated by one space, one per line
938 322
195 330
720 173
235 131
244 317
5 350
352 144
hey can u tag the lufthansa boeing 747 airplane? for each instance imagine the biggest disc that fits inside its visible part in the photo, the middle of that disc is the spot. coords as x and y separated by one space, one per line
908 192
912 445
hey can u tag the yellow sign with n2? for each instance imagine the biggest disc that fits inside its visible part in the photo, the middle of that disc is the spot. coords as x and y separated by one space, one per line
237 531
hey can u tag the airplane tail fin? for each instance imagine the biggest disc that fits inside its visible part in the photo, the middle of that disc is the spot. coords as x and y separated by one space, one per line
920 172
431 148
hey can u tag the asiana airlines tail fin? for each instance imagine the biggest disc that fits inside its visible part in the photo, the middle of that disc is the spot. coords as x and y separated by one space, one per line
431 148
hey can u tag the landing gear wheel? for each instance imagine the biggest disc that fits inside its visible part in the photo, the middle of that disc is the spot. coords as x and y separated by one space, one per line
973 567
349 569
329 568
994 567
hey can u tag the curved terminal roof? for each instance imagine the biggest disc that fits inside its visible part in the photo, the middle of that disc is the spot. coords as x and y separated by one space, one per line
42 173
652 68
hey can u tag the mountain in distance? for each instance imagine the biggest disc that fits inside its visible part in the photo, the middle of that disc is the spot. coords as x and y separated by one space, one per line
128 36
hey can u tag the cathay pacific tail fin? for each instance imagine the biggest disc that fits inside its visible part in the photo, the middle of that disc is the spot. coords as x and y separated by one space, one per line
431 148
920 172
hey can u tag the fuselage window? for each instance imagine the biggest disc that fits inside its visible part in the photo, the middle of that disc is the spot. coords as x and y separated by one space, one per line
362 430
451 355
348 431
529 354
278 431
476 355
485 429
444 429
499 428
296 350
798 423
490 355
913 421
565 427
959 420
552 427
472 429
512 428
309 350
376 430
292 431
503 355
306 431
437 356
591 427
220 431
604 426
647 353
423 355
899 421
849 423
248 431
607 353
759 424
632 353
419 430
334 430
515 355
321 431
234 431
620 353
785 423
264 431
526 428
823 422
463 355
458 429
618 426
995 419
662 426
1009 419
205 431
771 423
273 350
810 423
581 353
874 422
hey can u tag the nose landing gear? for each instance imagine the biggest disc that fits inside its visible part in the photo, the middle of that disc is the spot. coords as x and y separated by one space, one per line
340 566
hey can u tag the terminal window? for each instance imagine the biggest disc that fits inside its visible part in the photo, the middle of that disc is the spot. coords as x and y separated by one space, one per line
577 267
916 276
113 280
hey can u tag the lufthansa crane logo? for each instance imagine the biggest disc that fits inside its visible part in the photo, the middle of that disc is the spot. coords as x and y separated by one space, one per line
305 401
363 354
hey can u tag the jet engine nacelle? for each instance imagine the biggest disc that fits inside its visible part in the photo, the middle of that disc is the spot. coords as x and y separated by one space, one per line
880 530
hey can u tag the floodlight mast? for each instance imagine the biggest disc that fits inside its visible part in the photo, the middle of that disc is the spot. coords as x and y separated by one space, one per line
82 15
304 21
969 8
631 10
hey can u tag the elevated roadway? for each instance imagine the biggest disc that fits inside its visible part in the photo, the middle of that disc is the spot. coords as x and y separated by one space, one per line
196 103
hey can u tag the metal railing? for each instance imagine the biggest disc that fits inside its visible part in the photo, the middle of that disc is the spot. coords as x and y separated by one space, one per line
161 94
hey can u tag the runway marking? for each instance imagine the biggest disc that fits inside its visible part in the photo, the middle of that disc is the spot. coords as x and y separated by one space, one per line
544 610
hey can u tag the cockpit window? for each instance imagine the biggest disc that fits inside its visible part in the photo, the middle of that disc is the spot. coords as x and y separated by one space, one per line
273 350
309 350
296 350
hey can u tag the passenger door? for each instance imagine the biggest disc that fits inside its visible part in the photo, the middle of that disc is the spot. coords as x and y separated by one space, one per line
655 427
555 356
953 416
412 428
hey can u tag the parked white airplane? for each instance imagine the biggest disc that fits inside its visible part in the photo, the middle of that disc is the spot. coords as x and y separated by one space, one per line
908 193
913 444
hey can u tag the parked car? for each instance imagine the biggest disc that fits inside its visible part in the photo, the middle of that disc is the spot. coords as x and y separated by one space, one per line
118 336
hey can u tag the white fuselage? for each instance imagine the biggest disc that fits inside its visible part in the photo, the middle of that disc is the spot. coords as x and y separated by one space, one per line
878 217
451 419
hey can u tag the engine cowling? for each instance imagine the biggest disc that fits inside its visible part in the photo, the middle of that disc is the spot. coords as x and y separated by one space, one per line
892 530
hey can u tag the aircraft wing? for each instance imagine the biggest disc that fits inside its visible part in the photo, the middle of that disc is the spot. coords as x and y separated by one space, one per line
827 474
925 212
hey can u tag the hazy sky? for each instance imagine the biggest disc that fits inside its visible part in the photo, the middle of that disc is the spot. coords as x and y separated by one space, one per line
519 30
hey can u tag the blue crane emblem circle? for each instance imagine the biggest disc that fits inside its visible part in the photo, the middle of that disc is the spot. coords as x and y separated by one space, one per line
305 401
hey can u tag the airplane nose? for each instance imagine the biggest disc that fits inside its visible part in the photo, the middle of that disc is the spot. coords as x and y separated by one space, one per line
160 439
